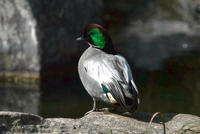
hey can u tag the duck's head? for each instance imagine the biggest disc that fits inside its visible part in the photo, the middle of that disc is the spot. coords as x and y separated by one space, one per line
97 37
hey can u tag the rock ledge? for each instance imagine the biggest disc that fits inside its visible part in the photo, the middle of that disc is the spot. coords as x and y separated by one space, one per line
98 123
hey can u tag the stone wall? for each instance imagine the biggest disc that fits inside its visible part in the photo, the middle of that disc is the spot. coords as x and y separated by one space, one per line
18 39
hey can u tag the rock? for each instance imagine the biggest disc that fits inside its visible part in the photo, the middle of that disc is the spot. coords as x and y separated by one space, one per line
159 30
35 34
40 36
18 39
98 123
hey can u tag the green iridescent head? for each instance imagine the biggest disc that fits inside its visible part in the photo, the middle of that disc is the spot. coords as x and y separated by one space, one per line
97 37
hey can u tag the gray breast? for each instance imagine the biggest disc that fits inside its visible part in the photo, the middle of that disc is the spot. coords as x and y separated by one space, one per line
92 86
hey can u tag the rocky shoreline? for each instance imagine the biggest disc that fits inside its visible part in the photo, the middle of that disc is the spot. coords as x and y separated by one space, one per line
98 123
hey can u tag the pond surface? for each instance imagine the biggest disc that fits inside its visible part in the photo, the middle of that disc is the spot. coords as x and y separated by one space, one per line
159 91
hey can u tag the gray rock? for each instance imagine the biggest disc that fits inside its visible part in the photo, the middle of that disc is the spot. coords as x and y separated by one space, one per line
98 123
18 40
59 23
35 34
39 36
161 30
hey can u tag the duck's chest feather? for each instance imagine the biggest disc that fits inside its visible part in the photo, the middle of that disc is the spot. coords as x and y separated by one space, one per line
98 65
90 84
90 56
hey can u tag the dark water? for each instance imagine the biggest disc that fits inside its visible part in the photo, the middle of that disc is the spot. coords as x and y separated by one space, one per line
164 91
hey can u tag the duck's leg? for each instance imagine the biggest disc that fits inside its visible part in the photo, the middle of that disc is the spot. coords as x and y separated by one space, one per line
94 107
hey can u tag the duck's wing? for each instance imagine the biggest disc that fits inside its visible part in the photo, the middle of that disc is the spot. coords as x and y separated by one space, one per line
114 76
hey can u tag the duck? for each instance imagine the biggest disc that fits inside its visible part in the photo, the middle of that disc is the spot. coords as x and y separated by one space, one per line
104 73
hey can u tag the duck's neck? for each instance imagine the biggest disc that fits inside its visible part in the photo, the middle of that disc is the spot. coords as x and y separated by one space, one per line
109 49
109 46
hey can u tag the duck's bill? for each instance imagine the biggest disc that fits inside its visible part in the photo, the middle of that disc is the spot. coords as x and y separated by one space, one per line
79 38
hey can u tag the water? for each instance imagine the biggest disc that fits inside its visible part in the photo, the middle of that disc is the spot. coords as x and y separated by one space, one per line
168 92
